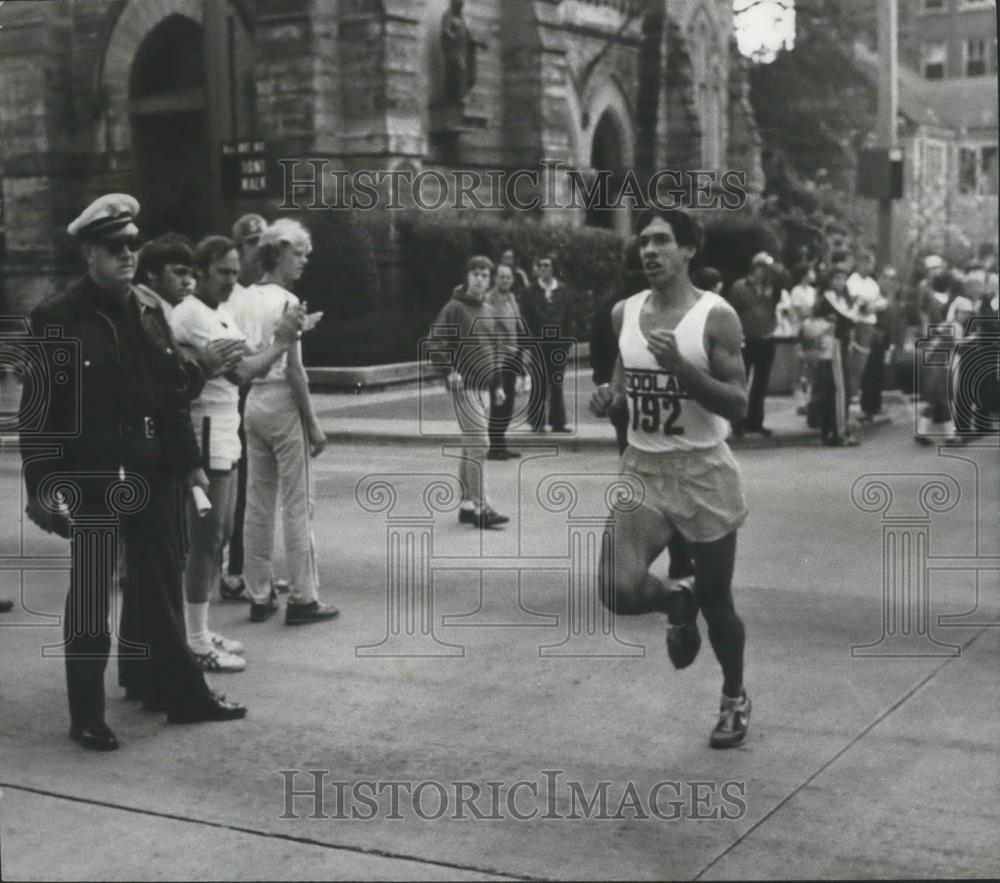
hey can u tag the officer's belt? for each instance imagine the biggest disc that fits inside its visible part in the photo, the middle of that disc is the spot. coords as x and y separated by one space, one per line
139 427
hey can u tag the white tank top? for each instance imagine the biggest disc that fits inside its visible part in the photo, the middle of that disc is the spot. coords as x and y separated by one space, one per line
662 415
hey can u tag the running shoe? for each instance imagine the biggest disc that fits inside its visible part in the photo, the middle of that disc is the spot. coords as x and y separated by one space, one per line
217 662
683 637
734 721
225 645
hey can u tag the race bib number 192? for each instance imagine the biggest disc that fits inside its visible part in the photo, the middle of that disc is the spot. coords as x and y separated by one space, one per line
655 412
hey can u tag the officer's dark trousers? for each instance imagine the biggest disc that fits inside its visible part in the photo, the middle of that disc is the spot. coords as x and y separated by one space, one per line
162 662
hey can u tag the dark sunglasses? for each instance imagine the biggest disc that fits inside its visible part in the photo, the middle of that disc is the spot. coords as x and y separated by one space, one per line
117 246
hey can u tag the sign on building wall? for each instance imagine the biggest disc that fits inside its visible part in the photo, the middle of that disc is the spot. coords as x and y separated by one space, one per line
248 170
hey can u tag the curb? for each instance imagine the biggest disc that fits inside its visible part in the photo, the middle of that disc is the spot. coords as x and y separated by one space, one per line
807 438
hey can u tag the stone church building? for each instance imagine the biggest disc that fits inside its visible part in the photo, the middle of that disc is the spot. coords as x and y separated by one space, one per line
139 96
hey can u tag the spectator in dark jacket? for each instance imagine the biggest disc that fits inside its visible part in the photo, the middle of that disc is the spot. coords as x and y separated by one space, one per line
548 304
754 301
465 341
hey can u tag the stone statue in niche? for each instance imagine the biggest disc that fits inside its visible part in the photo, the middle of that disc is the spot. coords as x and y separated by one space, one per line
458 47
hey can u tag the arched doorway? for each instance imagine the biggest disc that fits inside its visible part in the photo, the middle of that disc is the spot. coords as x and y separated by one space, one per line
167 114
608 155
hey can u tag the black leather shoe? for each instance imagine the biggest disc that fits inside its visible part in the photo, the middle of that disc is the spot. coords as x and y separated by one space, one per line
96 737
561 429
466 516
301 614
263 612
512 455
488 517
6 605
216 708
496 455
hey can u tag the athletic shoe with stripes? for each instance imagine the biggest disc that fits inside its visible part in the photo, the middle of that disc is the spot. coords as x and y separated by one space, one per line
225 645
734 721
218 662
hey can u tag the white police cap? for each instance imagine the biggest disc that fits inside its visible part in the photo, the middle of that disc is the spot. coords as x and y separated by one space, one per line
110 216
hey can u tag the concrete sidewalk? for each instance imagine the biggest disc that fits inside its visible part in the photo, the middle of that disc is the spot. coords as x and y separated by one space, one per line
422 414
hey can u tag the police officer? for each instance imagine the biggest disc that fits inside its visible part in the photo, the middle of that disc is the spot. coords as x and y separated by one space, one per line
133 420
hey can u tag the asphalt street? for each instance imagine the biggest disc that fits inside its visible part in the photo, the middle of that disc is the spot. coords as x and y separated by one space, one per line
478 666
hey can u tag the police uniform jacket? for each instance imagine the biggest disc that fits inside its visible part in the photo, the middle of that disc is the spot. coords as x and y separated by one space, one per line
128 389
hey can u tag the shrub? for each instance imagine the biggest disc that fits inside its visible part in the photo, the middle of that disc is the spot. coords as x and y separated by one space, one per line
342 276
731 241
380 338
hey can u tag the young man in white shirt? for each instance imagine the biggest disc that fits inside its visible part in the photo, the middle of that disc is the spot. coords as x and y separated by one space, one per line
282 435
215 415
246 234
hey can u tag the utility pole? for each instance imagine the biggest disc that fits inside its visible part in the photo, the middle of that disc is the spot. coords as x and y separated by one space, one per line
888 97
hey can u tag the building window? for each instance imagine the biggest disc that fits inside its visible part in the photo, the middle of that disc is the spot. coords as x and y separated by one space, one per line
989 178
933 60
967 160
975 58
977 170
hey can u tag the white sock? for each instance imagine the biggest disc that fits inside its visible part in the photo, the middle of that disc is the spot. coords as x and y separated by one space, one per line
196 621
468 506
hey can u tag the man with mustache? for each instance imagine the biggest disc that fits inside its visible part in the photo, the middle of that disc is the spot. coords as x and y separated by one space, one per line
681 374
134 420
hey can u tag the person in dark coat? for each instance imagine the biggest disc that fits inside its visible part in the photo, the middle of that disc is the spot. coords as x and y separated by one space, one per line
548 304
119 421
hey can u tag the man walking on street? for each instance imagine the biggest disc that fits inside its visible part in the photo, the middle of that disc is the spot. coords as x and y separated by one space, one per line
134 421
681 374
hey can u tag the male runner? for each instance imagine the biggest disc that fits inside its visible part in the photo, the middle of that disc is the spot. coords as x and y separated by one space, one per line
681 372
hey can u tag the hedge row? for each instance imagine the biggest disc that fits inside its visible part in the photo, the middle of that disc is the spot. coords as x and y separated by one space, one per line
434 249
342 278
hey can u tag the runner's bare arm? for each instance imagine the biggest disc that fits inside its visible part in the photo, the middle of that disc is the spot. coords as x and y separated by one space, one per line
723 390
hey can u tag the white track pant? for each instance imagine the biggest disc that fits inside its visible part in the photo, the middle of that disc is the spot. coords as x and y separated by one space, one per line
277 461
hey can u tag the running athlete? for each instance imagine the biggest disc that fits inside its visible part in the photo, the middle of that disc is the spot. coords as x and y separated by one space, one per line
681 375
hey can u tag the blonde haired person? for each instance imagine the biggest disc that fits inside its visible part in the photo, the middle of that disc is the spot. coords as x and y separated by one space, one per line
282 435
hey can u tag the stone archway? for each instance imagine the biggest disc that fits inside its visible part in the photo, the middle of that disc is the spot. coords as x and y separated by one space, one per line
612 149
168 129
137 19
176 80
